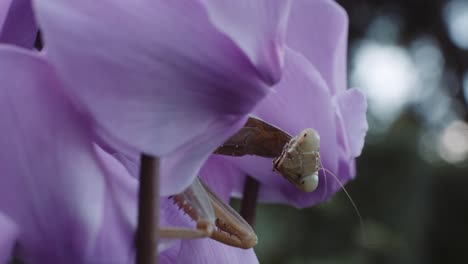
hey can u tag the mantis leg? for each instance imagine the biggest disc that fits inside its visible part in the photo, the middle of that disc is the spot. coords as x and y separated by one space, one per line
183 233
213 218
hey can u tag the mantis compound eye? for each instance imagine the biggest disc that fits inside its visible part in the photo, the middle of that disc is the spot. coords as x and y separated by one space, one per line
309 140
309 182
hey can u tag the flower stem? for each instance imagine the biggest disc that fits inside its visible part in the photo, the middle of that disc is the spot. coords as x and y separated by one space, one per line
249 201
148 208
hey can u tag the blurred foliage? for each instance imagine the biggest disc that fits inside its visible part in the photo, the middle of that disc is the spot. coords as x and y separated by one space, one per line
415 209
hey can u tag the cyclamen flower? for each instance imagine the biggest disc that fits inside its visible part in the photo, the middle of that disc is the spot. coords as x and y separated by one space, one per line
63 199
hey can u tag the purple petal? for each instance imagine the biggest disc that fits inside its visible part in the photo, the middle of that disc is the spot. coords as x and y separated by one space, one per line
319 30
170 256
46 158
353 106
221 176
17 24
130 159
8 235
207 251
257 27
179 168
156 75
118 221
351 130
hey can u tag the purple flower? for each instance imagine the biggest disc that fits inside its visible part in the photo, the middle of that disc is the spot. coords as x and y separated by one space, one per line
64 199
17 25
312 93
169 78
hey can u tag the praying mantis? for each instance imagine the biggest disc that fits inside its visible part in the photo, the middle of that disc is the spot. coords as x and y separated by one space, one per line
294 158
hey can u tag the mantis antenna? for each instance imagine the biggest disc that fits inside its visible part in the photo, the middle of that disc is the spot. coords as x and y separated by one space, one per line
361 221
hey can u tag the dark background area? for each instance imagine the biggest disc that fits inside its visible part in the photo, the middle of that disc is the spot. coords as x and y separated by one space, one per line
411 188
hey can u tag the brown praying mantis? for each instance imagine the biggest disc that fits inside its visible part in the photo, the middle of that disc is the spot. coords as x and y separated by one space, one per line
295 158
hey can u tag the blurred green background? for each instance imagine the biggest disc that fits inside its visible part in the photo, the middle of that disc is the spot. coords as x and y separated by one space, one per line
410 58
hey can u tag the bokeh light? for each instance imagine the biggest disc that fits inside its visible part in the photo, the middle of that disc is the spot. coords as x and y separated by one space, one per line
388 76
456 17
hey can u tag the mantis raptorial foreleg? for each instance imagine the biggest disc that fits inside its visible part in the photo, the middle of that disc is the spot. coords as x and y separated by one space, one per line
295 158
213 218
196 203
231 228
